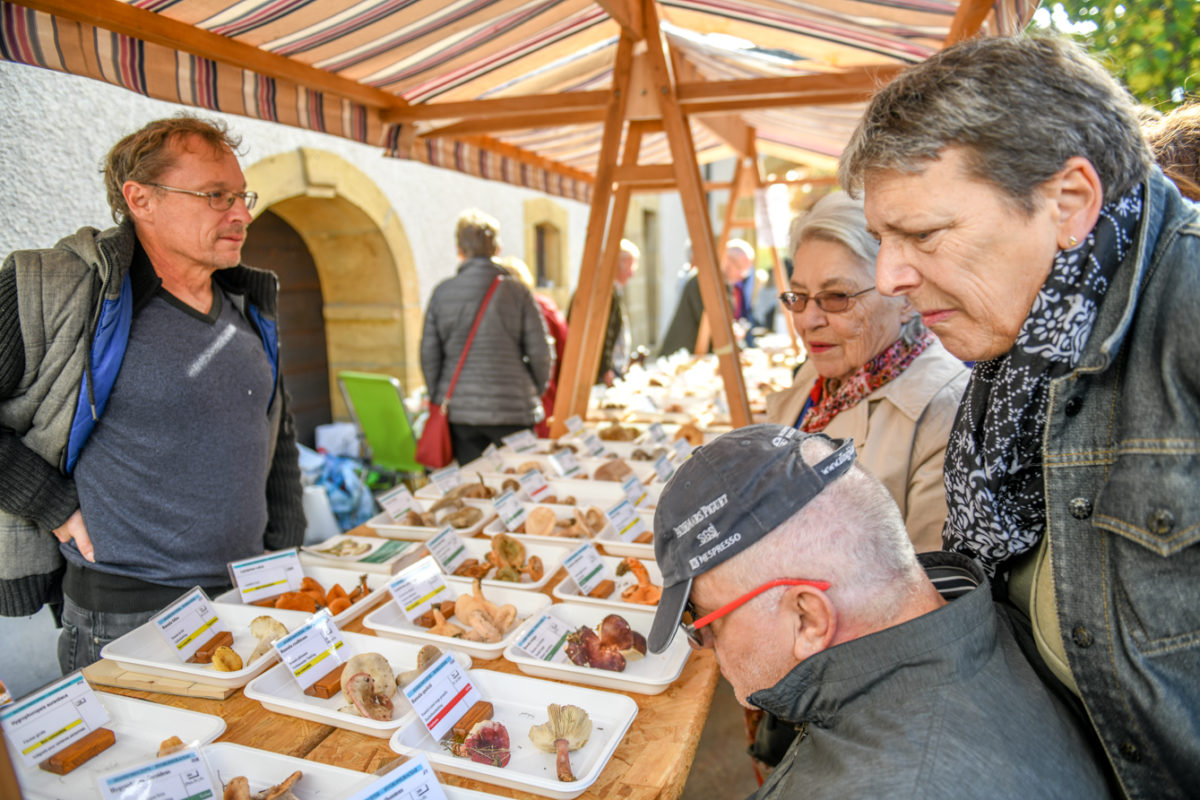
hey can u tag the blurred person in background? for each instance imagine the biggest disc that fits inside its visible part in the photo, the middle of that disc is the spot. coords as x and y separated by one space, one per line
737 270
510 360
1175 140
556 329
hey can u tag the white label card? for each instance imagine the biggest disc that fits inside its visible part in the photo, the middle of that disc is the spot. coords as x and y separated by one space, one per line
521 441
566 464
534 484
594 445
442 695
449 549
683 449
574 423
657 433
491 454
398 502
48 721
446 479
512 514
267 576
546 639
188 623
314 649
663 468
585 567
412 780
179 776
419 588
627 521
635 492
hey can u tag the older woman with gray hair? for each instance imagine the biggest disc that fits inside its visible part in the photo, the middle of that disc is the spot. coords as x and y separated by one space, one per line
874 374
1019 211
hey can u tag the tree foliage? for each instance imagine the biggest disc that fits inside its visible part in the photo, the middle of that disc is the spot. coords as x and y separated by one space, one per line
1152 46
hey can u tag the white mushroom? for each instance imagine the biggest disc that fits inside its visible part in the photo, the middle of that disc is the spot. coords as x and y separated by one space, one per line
266 630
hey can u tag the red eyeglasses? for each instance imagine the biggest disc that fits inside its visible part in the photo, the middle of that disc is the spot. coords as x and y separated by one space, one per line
692 629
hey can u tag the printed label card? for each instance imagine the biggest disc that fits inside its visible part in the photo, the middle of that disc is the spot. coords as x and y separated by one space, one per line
266 576
635 492
179 776
566 464
446 478
594 446
313 650
449 549
412 780
574 423
534 484
39 726
441 695
189 623
627 521
491 457
521 441
663 468
546 639
585 567
398 502
512 514
419 588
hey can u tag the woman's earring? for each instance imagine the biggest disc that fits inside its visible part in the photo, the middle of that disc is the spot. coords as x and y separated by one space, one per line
1072 241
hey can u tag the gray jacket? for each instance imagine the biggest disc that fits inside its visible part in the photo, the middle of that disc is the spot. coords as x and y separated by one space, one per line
509 362
1122 472
941 706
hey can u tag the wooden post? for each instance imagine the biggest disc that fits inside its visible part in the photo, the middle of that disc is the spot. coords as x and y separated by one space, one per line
687 176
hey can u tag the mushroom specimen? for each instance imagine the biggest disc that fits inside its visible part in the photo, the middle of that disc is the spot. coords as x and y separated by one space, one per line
567 729
266 630
643 592
487 743
489 622
425 657
239 789
611 648
368 683
226 659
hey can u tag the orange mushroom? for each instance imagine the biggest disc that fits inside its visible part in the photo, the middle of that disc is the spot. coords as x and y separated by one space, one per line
643 592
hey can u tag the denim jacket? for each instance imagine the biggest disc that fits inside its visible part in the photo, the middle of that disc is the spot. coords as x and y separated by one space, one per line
1122 475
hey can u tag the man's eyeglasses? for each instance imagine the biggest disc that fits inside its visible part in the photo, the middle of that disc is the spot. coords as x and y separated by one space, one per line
830 302
693 629
220 200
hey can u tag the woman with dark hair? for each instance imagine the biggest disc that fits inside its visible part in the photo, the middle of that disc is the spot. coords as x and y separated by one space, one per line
1019 210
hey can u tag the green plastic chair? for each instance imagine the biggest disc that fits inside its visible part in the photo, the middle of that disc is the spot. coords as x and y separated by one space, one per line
376 404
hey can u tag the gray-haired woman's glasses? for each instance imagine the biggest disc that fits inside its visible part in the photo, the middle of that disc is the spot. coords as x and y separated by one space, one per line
829 302
218 200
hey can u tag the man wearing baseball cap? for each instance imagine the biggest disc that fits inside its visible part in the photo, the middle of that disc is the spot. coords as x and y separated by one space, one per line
901 676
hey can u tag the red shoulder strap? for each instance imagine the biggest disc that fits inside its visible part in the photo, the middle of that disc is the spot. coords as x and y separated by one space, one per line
470 338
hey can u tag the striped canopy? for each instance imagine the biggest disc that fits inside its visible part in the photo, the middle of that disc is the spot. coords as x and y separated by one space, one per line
408 75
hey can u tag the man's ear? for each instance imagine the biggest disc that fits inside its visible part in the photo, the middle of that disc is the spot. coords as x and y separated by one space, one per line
814 620
1078 194
137 197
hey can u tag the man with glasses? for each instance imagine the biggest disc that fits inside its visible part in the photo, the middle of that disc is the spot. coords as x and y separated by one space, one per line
145 439
794 565
737 268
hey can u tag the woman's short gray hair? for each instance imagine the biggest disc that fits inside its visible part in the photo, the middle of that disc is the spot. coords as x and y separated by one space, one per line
837 218
477 234
1020 107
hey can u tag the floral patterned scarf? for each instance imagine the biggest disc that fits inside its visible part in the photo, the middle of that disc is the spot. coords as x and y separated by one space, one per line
993 471
825 403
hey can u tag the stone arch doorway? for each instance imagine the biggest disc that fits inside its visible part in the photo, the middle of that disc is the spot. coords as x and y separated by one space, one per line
273 244
368 283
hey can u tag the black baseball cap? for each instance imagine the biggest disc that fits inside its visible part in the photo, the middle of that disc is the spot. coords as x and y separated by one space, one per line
729 494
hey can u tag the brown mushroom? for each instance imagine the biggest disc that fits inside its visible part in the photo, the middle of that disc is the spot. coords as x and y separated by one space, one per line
567 729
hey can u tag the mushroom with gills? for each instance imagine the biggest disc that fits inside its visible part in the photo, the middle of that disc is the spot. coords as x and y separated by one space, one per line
567 729
643 592
266 630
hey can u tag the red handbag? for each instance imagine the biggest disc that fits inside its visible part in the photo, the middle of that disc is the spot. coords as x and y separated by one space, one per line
434 449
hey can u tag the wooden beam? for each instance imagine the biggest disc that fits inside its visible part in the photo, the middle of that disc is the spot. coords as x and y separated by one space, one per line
968 19
526 157
650 173
696 108
498 107
148 26
687 175
868 78
627 14
586 324
518 122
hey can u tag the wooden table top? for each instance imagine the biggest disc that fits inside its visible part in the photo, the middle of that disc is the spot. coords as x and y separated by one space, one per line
652 761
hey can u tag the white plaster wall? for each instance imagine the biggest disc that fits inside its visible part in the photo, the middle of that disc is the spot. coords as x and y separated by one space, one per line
57 128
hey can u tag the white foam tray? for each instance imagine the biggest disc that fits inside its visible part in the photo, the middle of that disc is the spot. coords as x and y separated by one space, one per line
327 577
551 552
496 527
140 726
520 703
604 494
568 591
385 526
145 650
651 674
509 460
389 619
320 782
278 691
608 541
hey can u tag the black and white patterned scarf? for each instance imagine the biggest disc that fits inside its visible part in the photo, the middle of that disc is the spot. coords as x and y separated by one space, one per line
994 485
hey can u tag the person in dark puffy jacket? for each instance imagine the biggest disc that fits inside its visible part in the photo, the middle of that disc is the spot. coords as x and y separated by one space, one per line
509 362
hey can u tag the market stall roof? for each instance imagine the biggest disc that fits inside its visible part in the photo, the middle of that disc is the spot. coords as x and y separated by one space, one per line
588 99
409 75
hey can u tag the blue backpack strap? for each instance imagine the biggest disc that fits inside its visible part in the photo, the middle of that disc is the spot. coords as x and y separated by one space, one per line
104 362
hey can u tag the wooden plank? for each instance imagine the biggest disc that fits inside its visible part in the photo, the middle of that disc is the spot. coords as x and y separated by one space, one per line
586 323
648 173
149 26
626 13
968 19
687 175
829 98
109 673
497 107
869 79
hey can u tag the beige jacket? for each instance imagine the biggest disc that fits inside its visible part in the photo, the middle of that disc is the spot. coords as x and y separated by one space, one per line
899 434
